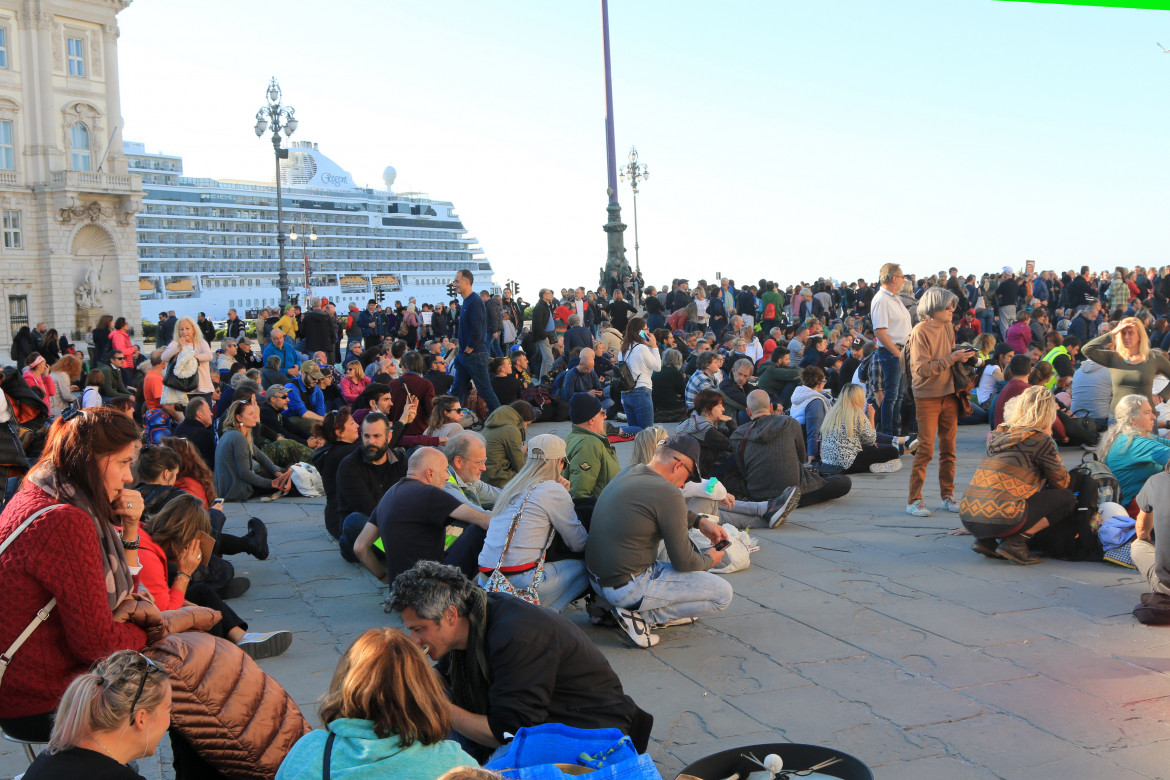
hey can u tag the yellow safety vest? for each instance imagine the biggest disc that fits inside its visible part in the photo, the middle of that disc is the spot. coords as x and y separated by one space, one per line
1051 356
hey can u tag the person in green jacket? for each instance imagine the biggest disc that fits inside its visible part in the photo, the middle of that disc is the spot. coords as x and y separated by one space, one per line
592 459
778 378
504 434
385 717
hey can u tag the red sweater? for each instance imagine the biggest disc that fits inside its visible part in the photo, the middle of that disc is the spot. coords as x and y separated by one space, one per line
154 574
56 556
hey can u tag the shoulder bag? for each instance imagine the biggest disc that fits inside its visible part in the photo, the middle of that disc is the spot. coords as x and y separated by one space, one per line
498 581
43 613
176 376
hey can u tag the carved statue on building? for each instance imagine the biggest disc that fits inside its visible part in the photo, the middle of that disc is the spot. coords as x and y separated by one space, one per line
90 293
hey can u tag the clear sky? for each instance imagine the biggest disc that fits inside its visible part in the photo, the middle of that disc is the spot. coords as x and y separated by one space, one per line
787 139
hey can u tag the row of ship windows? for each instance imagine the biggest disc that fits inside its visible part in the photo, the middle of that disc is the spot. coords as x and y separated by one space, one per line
147 266
242 221
260 254
145 237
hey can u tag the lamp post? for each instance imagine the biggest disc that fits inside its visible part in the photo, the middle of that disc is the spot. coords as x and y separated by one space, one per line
635 172
615 260
280 118
308 234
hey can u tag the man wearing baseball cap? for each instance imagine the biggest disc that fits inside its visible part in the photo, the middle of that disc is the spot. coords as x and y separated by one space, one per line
639 508
306 402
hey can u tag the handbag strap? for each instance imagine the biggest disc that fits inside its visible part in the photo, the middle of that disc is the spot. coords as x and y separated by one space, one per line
512 529
43 613
328 755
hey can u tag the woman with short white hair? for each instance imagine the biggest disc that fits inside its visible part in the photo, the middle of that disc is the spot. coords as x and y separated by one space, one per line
1131 448
930 353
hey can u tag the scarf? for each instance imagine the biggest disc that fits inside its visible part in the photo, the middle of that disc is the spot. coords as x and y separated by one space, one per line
114 569
470 676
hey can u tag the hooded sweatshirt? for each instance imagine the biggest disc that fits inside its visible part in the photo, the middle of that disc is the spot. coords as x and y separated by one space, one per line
503 432
1018 463
800 400
359 753
1092 389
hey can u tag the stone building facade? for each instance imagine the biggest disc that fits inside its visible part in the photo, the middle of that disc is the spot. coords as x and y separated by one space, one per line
68 251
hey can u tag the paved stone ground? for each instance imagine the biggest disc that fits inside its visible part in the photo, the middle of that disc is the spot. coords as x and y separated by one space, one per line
857 627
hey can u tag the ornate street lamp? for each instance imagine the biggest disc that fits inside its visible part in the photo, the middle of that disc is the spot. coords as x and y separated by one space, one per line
635 173
279 118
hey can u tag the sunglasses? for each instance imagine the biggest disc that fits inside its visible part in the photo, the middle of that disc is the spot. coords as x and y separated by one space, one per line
151 667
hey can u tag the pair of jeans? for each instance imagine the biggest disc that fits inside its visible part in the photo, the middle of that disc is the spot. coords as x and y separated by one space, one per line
470 368
563 581
835 486
546 360
351 529
655 321
890 366
494 345
987 320
936 416
743 514
639 407
1007 317
1142 553
881 453
661 594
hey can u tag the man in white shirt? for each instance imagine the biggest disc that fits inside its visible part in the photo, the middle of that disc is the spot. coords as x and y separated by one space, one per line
891 326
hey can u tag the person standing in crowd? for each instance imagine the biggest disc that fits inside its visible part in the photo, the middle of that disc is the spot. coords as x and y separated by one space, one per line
891 327
932 353
544 334
471 362
640 353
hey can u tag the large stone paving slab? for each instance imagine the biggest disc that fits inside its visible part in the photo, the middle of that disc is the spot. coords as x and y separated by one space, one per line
857 626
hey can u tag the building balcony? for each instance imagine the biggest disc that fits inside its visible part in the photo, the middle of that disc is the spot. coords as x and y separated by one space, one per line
89 181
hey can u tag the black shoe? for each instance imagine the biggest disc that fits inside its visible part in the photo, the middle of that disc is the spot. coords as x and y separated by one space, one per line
1015 549
234 588
985 547
257 538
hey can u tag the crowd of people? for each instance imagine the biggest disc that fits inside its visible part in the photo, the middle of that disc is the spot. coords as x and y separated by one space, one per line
413 423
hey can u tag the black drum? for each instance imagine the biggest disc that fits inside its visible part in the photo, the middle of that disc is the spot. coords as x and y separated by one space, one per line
796 758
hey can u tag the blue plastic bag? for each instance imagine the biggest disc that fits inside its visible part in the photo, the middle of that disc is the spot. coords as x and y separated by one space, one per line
555 743
639 768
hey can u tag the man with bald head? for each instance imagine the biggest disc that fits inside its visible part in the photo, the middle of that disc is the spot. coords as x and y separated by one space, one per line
584 379
411 521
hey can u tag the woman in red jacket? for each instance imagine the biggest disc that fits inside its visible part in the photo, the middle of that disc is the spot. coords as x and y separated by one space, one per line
172 551
73 553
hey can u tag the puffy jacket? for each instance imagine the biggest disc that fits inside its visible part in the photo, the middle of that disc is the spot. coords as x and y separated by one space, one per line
317 331
239 720
503 432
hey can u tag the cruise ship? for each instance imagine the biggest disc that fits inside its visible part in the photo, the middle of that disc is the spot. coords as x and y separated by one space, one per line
207 245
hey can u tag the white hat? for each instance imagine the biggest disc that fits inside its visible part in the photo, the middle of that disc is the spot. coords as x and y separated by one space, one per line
1007 269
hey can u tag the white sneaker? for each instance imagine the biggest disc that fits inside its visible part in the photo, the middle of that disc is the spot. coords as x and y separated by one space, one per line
950 504
265 645
636 628
782 505
620 417
885 468
911 445
918 509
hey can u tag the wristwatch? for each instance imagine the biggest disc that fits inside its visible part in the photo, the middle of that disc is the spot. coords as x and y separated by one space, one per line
128 545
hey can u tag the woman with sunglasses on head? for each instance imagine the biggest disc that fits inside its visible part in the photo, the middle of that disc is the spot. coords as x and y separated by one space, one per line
354 381
110 716
80 549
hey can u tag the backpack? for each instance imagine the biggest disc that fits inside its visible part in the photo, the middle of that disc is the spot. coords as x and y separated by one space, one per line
1108 488
307 480
769 311
623 377
1075 539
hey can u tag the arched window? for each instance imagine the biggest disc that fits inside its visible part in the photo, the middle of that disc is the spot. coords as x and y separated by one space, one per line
81 155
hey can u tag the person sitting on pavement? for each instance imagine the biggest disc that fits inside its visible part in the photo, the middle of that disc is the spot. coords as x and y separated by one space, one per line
281 347
849 442
171 551
242 471
534 507
436 374
640 508
341 435
1132 449
707 376
577 336
306 402
1021 485
364 476
770 456
375 398
707 423
810 405
1018 369
446 418
196 428
736 387
111 370
510 664
411 520
504 431
272 373
1092 391
669 387
779 379
354 381
592 460
111 715
1149 555
412 383
467 458
274 415
385 715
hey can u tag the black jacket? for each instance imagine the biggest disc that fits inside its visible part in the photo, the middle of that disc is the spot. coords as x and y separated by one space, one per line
327 459
360 485
545 670
542 322
317 331
235 328
202 437
207 328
